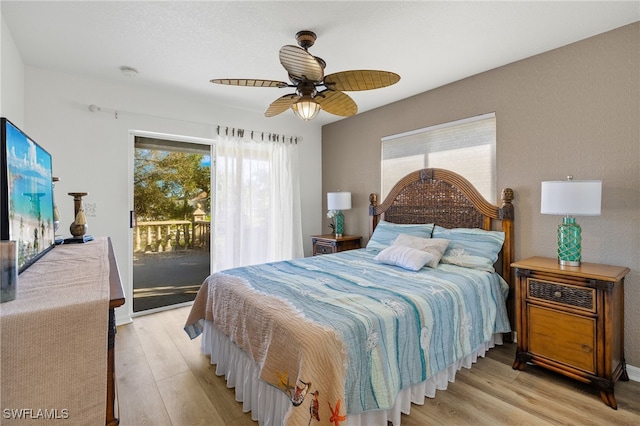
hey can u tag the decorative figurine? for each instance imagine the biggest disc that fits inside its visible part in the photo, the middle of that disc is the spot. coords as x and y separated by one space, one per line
78 227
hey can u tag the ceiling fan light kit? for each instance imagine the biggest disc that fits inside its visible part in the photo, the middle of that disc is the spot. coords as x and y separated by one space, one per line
306 108
306 73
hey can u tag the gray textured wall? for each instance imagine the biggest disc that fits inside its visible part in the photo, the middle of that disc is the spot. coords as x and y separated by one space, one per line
573 110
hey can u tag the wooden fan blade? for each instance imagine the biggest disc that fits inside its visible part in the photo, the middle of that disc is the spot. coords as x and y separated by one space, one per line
249 82
301 64
337 103
281 104
355 80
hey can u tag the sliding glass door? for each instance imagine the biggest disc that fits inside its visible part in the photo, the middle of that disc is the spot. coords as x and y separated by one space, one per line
171 221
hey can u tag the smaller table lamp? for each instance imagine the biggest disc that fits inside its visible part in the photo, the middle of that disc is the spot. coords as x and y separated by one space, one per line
336 202
571 197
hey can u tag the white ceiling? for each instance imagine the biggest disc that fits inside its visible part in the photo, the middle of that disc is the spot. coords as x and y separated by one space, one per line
181 45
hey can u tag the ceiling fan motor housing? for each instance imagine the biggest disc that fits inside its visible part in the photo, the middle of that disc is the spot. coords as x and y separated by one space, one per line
306 88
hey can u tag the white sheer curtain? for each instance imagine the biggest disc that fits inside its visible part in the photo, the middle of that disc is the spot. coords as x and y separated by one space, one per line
256 214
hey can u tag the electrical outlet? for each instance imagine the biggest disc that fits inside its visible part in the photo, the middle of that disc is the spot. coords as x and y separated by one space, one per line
90 209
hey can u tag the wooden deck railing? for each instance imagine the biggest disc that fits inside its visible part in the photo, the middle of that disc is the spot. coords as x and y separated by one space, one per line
168 235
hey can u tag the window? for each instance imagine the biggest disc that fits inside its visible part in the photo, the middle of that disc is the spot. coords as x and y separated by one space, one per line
467 147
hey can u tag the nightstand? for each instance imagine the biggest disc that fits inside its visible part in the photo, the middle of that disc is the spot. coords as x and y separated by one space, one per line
570 319
325 244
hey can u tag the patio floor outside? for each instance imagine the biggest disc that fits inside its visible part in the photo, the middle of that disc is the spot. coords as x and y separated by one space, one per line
168 278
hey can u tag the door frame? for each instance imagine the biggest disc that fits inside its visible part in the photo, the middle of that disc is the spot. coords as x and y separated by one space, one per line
128 285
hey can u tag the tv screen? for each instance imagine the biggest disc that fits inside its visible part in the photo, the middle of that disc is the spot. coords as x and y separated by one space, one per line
26 202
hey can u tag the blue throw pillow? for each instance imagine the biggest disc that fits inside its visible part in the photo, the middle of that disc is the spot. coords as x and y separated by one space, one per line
471 247
386 232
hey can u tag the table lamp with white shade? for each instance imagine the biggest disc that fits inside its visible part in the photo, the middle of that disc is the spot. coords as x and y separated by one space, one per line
336 202
571 198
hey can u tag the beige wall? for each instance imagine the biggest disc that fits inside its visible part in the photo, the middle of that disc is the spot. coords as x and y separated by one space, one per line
574 110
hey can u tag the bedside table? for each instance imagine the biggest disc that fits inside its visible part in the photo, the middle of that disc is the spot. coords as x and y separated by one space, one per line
325 244
570 319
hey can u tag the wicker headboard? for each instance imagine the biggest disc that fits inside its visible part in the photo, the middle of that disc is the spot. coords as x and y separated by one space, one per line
447 199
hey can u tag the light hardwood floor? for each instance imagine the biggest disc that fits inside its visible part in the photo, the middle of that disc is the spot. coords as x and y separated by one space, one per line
163 379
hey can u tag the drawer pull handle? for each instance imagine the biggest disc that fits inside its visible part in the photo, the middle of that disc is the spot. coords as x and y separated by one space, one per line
587 349
557 294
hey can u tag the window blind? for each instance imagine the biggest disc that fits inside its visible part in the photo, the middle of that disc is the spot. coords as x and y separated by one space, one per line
467 147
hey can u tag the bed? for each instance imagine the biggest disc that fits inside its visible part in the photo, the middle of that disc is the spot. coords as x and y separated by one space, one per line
356 337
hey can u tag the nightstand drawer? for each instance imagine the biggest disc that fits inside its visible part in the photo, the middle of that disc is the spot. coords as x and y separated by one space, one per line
568 295
327 244
324 249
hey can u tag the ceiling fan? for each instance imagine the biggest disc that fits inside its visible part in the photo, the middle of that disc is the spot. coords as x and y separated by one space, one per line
306 73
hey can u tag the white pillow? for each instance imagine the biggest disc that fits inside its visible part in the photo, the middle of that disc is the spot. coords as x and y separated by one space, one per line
404 257
434 246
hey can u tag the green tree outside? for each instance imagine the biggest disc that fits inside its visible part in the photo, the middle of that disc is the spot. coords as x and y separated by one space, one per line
167 183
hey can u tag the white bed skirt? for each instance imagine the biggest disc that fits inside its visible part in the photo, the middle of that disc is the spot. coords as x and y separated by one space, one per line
269 405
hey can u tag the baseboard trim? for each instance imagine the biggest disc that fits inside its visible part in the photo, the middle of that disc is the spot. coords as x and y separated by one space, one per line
633 373
125 319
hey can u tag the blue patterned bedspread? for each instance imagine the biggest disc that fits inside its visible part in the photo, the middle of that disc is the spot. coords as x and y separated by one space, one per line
399 327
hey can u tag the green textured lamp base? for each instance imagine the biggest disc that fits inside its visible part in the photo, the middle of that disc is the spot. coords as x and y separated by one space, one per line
569 242
338 222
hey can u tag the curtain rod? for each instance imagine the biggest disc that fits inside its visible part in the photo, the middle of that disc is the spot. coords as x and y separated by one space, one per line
271 137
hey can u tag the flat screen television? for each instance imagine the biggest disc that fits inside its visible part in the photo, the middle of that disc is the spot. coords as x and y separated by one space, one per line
26 201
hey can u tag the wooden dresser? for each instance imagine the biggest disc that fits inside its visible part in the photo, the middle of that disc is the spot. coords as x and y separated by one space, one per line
329 243
570 319
116 299
58 335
